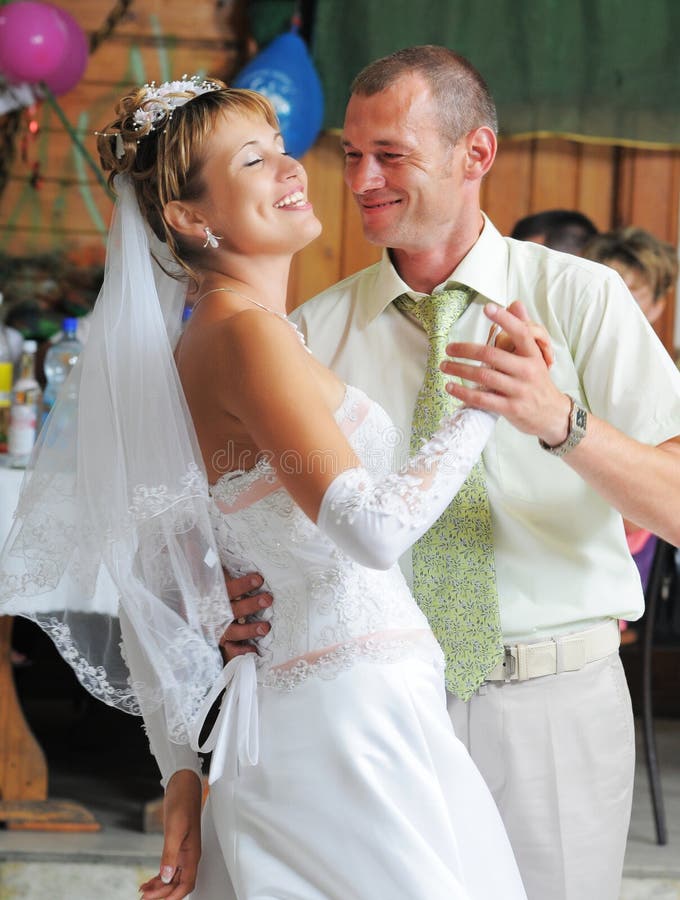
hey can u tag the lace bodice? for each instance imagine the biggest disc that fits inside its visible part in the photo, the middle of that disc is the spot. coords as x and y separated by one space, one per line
328 609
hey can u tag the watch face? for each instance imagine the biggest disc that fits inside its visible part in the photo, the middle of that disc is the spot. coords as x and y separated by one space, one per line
581 417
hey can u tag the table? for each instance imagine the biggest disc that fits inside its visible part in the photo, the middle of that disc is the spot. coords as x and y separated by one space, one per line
24 802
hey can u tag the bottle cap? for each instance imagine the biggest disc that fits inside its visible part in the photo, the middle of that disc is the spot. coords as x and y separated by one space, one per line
70 323
30 346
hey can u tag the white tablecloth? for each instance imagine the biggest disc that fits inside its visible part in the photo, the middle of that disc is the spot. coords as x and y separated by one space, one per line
10 482
106 598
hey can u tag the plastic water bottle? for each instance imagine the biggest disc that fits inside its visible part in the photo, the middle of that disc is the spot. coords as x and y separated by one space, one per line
6 379
59 360
26 408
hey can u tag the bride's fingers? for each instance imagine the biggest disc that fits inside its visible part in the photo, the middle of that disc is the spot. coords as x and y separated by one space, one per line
543 343
517 308
155 889
504 341
515 328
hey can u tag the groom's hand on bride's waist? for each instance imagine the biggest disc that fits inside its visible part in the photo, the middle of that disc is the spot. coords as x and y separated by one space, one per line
246 601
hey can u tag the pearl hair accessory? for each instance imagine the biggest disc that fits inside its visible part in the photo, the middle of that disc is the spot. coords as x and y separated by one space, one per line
163 99
211 239
159 103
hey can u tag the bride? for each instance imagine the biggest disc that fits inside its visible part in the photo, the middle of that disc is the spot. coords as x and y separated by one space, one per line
335 772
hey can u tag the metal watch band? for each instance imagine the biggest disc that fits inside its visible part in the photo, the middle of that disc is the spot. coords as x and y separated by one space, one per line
578 422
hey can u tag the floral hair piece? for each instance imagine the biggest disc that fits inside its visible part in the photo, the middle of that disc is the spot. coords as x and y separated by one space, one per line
159 103
161 100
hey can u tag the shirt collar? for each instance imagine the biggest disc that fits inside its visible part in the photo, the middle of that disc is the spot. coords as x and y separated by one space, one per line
484 269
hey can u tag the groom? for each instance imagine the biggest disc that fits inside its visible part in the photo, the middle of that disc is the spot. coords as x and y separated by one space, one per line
549 724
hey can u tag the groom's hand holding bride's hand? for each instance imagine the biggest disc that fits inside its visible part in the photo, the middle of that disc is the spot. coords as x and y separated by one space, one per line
513 379
246 600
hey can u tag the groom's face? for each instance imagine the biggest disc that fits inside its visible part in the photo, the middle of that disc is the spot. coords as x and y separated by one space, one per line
405 177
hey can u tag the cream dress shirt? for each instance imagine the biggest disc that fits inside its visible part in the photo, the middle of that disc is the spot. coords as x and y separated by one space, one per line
561 556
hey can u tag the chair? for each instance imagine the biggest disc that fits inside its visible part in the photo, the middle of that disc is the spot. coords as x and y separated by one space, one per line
659 591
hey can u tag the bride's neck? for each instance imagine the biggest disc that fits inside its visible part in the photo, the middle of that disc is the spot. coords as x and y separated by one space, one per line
267 284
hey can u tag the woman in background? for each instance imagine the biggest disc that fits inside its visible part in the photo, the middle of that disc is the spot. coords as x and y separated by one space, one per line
649 268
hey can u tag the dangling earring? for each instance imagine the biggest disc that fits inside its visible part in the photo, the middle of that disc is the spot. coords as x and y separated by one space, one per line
211 239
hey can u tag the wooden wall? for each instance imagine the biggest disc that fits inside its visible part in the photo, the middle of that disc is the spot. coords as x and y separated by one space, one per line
155 40
68 209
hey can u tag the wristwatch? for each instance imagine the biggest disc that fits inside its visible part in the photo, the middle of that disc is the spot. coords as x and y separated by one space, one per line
578 422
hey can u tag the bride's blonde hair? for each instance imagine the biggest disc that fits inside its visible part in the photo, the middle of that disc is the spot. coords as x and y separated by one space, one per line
162 152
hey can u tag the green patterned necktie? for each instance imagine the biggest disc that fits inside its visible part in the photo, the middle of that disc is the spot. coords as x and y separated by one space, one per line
453 562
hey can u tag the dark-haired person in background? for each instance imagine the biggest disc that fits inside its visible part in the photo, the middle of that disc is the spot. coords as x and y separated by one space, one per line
560 229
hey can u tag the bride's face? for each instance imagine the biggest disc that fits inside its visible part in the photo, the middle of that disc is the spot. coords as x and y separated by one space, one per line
256 195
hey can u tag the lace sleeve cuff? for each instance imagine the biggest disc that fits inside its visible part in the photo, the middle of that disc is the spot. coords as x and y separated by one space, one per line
374 522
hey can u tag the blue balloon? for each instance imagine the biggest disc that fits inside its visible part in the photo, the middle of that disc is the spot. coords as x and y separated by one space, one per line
285 74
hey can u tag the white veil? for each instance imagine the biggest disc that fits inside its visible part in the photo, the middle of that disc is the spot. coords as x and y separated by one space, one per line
116 488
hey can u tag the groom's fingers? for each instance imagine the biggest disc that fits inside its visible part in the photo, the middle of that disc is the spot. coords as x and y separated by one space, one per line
239 587
237 637
250 606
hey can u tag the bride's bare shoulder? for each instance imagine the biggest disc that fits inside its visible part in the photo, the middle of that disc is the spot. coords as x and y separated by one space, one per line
250 335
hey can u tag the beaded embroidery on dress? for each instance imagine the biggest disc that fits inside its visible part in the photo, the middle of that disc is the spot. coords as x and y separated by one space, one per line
330 611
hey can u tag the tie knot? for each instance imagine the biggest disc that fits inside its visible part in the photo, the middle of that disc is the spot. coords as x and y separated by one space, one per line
437 312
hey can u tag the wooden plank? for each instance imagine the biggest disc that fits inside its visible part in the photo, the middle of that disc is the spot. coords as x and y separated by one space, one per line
555 175
50 815
318 265
506 190
651 205
595 184
23 769
650 182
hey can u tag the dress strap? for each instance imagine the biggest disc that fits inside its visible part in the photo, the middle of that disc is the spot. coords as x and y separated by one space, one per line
234 738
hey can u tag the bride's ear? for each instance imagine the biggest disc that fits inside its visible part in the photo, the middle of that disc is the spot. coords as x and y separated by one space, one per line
183 219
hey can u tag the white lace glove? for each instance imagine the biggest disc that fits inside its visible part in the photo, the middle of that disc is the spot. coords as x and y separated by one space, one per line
374 522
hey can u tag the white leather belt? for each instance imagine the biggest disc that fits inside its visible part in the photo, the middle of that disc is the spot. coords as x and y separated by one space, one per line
565 653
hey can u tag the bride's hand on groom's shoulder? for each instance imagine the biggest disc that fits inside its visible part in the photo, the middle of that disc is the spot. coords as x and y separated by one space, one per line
246 601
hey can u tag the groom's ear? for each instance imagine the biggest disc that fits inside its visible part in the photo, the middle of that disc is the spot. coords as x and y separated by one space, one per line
183 218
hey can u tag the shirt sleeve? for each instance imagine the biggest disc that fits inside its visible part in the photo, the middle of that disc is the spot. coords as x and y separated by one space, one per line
627 376
170 757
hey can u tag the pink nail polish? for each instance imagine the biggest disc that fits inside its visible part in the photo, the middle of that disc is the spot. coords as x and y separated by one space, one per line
166 874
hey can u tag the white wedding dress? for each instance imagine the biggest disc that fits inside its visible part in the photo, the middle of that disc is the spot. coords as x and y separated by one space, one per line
360 789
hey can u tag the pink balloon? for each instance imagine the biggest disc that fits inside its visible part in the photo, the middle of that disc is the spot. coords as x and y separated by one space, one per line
33 40
68 74
6 73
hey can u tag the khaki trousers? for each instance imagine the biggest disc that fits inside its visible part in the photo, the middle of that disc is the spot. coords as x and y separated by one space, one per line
558 754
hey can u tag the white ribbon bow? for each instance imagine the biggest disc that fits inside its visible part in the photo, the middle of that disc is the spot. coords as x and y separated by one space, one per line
234 739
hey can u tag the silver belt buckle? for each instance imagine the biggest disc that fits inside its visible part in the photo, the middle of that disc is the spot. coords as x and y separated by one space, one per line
509 663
